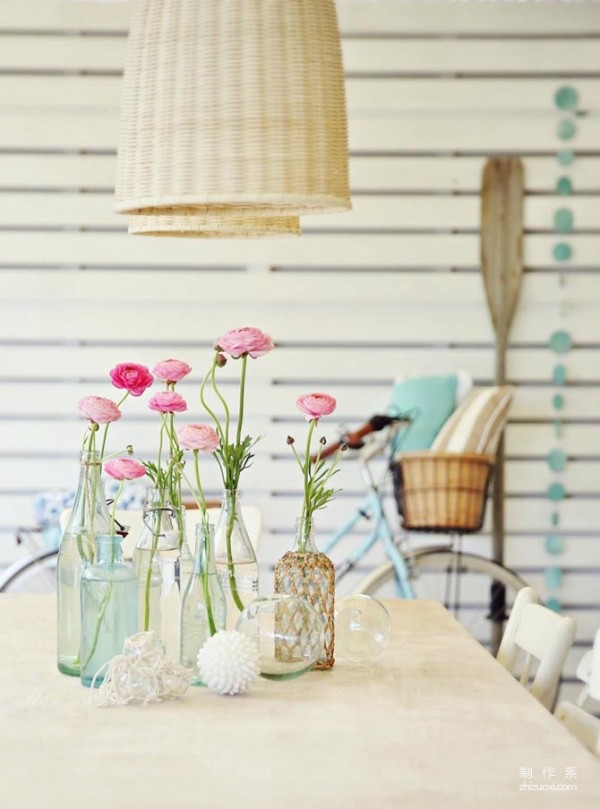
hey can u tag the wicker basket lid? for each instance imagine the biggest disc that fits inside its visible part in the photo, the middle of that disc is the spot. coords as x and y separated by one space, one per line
214 227
233 103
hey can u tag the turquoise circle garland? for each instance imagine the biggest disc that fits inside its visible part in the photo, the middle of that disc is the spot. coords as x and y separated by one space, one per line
564 186
566 100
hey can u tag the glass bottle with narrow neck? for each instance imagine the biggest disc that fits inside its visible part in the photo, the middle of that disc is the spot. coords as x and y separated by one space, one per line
108 607
306 572
89 518
186 557
156 561
235 558
203 611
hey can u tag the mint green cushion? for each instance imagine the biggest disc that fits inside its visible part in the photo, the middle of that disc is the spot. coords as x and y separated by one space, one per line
432 399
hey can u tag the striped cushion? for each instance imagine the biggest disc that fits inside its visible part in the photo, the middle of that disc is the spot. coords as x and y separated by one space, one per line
476 426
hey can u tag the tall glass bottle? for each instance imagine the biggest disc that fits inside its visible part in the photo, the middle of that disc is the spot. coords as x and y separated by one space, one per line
89 518
235 558
109 611
156 561
203 611
307 573
186 557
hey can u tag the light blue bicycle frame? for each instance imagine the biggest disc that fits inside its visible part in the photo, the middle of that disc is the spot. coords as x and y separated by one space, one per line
372 508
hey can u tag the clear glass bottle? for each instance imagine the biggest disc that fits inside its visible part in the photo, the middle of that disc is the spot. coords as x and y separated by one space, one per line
89 518
203 610
235 558
186 557
306 572
109 611
156 561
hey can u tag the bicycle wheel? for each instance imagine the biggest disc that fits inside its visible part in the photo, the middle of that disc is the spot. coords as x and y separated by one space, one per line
34 574
468 585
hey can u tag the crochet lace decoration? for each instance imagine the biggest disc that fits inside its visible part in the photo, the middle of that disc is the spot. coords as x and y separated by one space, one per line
228 662
141 674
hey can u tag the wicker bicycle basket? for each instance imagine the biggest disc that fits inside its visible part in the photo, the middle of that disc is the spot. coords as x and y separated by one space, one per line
442 491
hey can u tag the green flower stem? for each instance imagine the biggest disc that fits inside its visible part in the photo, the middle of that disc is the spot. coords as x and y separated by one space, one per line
211 413
306 509
238 436
212 627
101 614
221 398
230 565
149 572
106 426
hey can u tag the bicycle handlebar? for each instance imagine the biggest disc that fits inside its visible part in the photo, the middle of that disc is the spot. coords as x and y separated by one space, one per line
354 440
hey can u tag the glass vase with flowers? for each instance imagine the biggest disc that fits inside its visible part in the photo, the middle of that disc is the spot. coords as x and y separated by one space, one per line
203 608
234 554
304 571
162 545
89 516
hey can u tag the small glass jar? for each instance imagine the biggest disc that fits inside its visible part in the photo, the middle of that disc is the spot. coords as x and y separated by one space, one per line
108 608
203 610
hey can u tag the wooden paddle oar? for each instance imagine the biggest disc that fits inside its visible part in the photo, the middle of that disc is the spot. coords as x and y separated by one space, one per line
502 270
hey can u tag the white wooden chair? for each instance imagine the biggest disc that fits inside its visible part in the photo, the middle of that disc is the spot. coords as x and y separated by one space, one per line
581 724
588 671
540 634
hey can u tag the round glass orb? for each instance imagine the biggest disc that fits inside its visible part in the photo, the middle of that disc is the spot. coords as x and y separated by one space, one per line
289 634
362 628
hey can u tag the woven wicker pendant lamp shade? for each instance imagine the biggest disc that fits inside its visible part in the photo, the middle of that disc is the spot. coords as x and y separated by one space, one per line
234 108
214 227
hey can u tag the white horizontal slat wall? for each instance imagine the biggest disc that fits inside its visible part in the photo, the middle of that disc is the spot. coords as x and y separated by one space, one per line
392 287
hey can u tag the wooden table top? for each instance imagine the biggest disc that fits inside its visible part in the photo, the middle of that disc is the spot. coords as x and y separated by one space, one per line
434 721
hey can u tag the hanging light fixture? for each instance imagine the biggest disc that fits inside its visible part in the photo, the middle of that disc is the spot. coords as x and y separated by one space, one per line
233 111
214 227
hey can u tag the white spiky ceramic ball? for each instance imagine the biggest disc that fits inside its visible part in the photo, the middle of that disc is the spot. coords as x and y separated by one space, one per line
228 662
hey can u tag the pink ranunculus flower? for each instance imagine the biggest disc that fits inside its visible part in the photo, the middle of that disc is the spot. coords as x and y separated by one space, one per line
124 469
238 342
133 378
167 401
171 370
315 405
99 409
198 436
